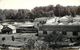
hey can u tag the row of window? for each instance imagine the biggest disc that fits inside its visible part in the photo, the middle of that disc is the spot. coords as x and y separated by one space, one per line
73 33
63 32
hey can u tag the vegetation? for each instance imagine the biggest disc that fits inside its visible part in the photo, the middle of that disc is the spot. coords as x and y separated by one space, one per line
45 11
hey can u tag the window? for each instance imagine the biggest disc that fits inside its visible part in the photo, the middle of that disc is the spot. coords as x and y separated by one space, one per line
64 32
13 38
54 32
3 38
44 32
75 33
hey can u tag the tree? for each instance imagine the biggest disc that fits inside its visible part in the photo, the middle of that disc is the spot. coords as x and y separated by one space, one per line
22 14
59 11
2 16
46 11
10 14
78 10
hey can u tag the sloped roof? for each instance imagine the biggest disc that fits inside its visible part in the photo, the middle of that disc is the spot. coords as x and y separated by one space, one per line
76 23
61 24
64 19
52 21
27 24
69 23
77 17
41 19
4 23
11 26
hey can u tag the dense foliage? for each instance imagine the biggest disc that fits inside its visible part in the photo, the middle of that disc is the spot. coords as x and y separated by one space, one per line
44 11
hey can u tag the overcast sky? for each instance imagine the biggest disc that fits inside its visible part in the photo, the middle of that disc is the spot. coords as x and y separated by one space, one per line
30 4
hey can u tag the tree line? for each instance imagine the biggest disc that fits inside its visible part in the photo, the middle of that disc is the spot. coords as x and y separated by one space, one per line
42 11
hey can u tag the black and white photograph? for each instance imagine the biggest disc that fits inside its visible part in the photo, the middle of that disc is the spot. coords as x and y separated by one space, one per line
39 24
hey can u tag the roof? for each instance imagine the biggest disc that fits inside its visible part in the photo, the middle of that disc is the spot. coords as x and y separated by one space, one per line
4 23
26 24
76 23
77 18
64 19
52 21
61 24
11 26
41 19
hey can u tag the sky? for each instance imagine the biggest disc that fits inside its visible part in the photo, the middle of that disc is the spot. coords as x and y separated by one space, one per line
30 4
